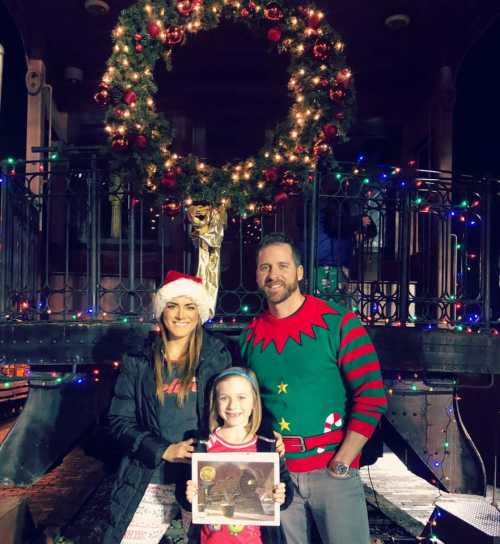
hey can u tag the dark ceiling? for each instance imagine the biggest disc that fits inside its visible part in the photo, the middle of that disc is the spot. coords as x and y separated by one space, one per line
220 72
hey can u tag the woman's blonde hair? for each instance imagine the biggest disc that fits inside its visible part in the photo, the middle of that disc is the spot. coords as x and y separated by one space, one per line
186 371
215 421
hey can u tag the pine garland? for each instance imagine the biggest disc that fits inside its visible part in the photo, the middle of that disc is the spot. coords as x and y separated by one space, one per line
320 85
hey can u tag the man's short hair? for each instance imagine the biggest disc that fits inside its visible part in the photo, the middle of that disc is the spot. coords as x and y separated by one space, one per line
280 238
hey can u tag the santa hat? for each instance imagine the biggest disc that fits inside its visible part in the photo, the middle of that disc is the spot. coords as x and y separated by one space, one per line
182 285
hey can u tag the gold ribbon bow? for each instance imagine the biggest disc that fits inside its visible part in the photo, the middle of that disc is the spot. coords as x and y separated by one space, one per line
207 233
116 198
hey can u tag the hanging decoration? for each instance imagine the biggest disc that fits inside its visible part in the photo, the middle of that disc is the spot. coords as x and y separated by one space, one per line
320 86
116 200
208 223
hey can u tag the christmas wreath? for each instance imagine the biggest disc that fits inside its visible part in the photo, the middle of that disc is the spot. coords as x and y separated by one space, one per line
320 85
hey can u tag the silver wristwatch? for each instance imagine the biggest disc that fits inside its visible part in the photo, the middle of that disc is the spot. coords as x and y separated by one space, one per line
339 469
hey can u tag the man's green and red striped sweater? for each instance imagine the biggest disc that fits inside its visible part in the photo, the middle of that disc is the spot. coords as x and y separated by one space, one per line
318 372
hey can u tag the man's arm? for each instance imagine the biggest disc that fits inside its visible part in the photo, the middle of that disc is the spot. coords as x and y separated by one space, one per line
360 367
350 448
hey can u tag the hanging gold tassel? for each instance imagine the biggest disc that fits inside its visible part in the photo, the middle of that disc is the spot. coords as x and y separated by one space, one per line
116 198
207 233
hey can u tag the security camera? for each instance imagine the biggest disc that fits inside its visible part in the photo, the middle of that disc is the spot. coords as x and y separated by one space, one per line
73 74
96 7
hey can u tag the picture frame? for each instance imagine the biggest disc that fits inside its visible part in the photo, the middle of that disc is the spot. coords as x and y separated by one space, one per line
235 488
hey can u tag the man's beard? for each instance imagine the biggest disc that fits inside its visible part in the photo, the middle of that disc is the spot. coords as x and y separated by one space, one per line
288 289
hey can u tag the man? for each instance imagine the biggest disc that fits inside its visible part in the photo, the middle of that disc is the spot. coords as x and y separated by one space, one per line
321 385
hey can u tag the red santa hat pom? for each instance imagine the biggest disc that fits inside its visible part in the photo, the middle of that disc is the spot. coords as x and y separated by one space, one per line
182 285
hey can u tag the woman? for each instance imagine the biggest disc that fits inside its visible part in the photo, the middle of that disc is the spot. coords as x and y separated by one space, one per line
160 404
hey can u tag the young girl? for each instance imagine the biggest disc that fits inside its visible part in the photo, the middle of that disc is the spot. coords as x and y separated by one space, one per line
235 416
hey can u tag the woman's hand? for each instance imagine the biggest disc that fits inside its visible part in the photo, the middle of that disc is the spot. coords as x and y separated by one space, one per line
280 445
191 490
180 452
279 493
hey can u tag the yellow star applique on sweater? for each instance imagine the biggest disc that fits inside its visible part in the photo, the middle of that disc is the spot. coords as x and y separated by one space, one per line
282 388
284 425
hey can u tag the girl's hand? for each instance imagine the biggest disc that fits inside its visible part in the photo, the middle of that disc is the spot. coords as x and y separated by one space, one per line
280 445
191 490
180 452
279 493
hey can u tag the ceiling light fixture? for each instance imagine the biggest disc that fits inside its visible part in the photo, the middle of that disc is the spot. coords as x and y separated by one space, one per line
397 21
97 7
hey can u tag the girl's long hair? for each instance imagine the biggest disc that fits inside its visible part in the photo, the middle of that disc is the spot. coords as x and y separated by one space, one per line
215 421
185 372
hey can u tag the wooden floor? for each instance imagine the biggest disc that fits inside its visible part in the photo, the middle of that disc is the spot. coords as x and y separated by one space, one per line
5 427
405 498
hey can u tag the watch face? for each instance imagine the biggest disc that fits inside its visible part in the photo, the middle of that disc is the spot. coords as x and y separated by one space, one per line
341 469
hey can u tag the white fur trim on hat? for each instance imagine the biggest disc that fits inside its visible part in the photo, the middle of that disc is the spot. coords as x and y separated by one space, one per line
182 287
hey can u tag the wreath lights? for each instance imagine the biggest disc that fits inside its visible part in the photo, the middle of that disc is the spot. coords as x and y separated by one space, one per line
320 85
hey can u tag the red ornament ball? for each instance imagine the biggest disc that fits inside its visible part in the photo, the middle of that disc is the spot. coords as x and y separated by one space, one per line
174 35
244 12
140 141
274 34
185 7
102 97
267 208
320 148
119 143
271 175
168 181
139 48
300 149
103 85
273 12
138 37
289 182
337 94
119 113
343 77
129 97
324 82
330 131
321 49
340 116
280 197
154 29
313 21
172 207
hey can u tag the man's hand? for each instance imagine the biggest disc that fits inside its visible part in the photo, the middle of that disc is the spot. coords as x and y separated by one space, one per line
191 490
279 493
180 452
280 445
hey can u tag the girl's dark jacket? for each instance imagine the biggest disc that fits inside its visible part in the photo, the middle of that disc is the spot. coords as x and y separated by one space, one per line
134 424
270 534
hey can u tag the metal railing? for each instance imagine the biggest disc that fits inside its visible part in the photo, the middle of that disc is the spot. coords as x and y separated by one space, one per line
399 246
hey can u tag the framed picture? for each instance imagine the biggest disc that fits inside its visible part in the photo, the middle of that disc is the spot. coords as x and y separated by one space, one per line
235 488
